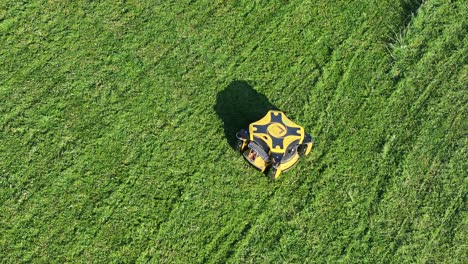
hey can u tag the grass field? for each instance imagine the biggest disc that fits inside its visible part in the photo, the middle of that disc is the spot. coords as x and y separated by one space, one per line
116 120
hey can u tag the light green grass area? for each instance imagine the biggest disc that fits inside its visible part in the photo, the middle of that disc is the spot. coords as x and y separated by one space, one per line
113 147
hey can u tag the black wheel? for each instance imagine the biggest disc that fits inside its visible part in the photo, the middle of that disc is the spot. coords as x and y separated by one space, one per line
272 173
301 150
239 144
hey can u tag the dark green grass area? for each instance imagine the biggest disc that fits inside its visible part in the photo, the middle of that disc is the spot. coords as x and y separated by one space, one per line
116 120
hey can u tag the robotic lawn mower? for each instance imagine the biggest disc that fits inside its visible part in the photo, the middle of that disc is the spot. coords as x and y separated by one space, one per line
274 143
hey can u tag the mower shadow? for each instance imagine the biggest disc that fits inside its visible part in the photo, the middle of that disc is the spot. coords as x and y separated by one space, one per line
238 105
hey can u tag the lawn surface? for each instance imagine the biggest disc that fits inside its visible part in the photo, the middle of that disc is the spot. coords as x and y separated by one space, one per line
117 119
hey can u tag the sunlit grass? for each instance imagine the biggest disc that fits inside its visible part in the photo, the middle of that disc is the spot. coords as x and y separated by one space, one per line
114 146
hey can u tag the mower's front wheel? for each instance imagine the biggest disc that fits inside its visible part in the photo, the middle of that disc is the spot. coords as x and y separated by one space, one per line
273 173
301 150
239 145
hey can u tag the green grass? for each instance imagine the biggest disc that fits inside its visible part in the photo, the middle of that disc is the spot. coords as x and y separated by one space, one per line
116 117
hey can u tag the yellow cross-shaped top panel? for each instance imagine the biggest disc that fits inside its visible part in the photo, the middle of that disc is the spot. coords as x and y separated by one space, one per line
277 131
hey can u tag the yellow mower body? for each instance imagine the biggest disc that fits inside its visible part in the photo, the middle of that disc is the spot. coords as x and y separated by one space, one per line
274 143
